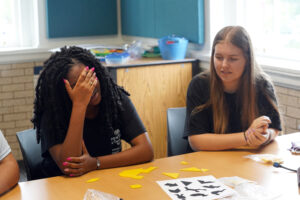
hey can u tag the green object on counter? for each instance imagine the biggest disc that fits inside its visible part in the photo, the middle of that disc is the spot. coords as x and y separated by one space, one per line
153 53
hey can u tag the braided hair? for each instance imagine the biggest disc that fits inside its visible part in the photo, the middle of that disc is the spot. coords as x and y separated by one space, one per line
52 97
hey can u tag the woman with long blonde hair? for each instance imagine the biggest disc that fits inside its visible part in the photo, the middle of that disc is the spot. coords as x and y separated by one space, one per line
234 103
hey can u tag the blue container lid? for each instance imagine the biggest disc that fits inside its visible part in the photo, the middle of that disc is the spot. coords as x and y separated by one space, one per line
117 58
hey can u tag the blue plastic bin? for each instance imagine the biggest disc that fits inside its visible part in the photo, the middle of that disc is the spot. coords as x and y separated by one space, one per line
172 47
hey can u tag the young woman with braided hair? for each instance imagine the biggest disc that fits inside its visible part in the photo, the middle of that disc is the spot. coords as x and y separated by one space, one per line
233 105
81 115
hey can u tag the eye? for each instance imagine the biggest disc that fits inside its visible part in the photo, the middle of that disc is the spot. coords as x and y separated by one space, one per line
233 59
219 57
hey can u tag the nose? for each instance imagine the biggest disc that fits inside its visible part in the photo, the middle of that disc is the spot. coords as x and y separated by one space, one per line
225 64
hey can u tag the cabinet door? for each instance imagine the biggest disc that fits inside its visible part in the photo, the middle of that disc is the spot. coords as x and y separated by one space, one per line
153 90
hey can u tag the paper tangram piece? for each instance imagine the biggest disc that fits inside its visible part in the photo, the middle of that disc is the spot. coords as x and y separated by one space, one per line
172 175
92 180
135 173
184 163
135 186
193 169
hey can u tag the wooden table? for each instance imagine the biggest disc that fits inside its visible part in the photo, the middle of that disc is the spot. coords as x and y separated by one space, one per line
219 163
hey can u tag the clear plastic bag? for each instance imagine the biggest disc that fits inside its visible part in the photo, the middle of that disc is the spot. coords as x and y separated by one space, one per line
97 195
265 158
247 190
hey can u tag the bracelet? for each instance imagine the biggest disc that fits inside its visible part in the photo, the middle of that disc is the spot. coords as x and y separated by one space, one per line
98 163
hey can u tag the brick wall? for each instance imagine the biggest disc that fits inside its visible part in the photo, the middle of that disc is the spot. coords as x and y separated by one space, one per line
289 106
16 101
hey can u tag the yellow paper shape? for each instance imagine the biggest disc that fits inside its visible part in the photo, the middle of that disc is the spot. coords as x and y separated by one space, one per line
172 175
135 186
92 180
149 169
184 163
135 173
193 169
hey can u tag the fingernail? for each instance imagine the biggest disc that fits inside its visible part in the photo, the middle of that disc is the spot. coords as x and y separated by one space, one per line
71 174
87 68
93 69
64 80
66 170
68 158
96 78
65 163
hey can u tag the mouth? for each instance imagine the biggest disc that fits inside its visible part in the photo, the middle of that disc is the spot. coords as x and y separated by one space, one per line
225 72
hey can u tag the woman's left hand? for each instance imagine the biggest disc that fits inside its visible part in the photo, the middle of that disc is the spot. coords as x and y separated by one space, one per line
77 166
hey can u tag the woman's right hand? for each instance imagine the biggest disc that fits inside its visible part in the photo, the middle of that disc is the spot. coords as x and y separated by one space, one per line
84 87
261 122
257 133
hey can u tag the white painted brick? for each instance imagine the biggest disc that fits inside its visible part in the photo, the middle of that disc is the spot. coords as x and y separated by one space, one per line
26 93
22 79
5 125
288 100
14 145
12 73
23 108
13 131
281 90
14 117
6 110
23 123
5 67
29 86
282 109
6 95
22 65
12 87
11 138
29 71
5 80
29 115
30 100
295 93
293 112
38 63
290 122
13 102
288 131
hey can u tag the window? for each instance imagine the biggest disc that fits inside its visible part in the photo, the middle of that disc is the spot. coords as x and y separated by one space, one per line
17 24
274 25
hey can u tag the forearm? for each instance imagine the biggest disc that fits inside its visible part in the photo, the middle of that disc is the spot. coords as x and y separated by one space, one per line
211 141
134 155
72 145
9 173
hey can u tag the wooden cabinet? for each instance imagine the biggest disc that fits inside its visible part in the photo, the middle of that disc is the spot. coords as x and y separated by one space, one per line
154 89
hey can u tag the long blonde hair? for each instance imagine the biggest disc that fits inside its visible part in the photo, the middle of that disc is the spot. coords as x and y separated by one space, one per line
246 92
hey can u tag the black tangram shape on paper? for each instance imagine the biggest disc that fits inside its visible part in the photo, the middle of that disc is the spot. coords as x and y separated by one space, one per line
211 186
181 196
204 182
186 183
194 190
171 184
175 191
199 194
217 192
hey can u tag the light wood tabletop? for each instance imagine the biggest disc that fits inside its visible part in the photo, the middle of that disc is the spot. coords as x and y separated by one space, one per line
220 164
